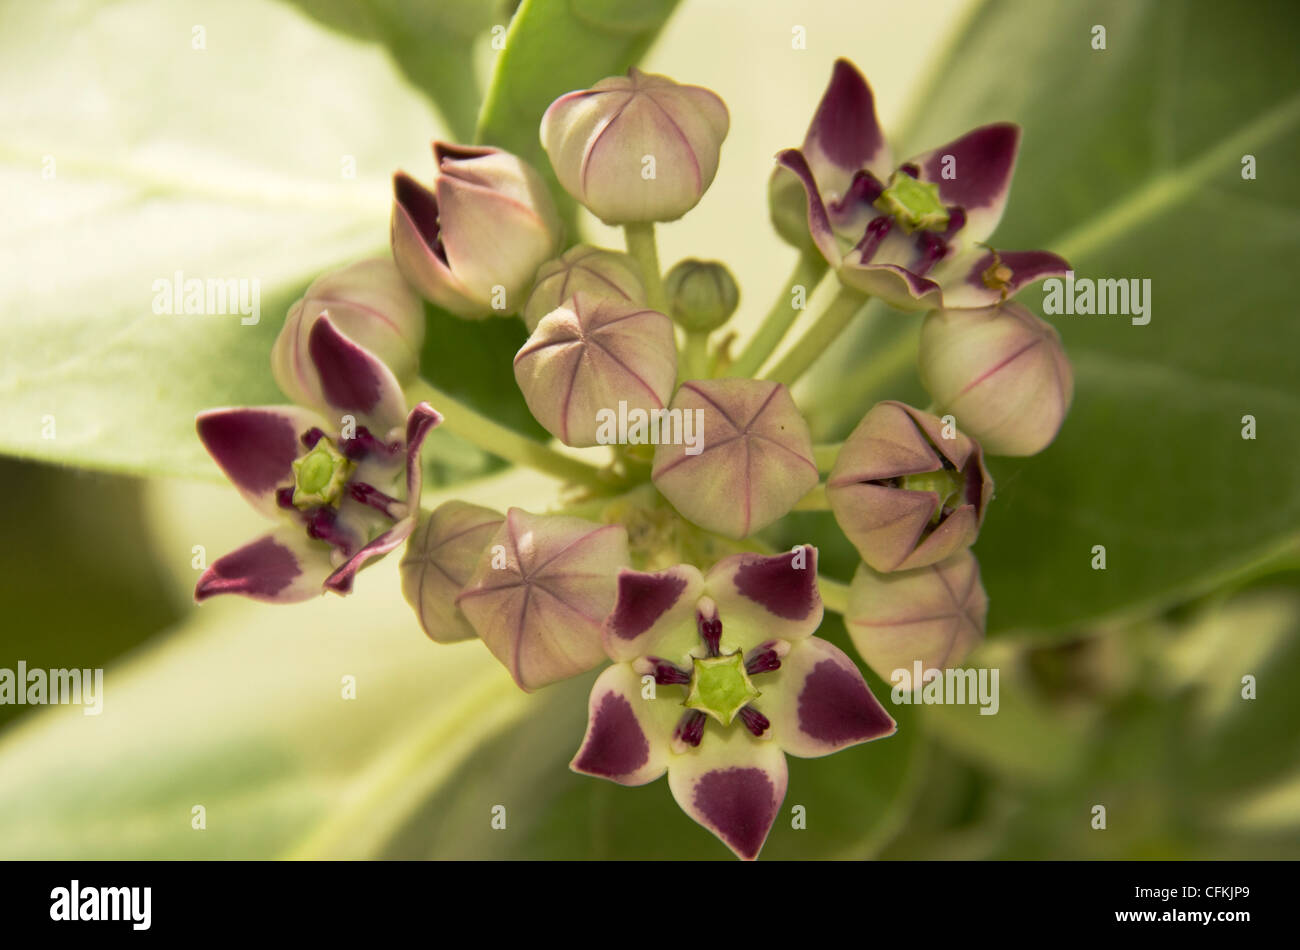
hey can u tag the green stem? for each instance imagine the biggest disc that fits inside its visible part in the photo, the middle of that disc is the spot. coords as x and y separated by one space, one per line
808 270
815 500
883 366
695 356
835 595
828 325
825 453
491 436
641 245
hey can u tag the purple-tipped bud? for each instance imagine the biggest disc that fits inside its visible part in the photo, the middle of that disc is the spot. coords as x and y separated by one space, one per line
1002 372
749 458
702 295
908 489
370 304
636 148
932 615
583 269
441 555
596 366
473 242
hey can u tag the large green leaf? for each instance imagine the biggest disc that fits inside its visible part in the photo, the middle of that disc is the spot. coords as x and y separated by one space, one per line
1131 166
225 161
433 43
554 47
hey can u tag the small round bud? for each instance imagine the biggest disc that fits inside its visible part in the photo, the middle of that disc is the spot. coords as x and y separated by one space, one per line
473 242
636 148
908 489
932 615
583 268
1001 371
593 362
702 295
370 304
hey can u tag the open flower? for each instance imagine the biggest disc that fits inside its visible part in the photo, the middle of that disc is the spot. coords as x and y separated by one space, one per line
347 489
472 244
907 488
909 235
715 678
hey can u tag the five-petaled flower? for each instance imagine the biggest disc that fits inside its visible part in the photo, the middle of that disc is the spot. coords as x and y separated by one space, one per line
910 235
716 677
330 482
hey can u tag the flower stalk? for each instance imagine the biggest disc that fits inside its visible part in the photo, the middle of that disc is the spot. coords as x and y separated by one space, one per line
830 323
808 271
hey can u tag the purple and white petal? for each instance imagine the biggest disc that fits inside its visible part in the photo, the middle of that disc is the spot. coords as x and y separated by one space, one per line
974 173
353 380
976 277
819 703
283 567
733 785
256 446
654 614
819 222
895 285
628 737
763 598
845 136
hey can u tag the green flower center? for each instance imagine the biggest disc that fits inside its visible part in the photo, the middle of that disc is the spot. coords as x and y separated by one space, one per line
320 476
945 483
720 687
913 203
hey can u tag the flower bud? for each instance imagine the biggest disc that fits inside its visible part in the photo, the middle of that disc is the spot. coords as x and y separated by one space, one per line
440 557
472 244
370 304
932 615
908 489
747 460
541 591
701 294
1002 372
595 270
592 361
636 148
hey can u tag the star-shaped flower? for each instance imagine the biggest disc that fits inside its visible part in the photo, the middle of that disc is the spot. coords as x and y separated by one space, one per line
716 677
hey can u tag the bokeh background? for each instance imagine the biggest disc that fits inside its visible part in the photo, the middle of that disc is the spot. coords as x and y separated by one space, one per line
1119 687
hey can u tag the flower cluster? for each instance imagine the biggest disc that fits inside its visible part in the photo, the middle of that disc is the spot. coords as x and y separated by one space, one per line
661 564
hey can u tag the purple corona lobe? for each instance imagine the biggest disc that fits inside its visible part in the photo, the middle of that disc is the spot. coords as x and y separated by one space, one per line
616 745
780 587
642 599
740 805
836 707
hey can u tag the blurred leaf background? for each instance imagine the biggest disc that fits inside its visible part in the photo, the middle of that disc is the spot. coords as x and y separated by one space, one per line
1119 687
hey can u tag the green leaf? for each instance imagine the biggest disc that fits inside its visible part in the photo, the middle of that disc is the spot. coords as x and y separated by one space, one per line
122 169
554 47
1131 167
433 43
